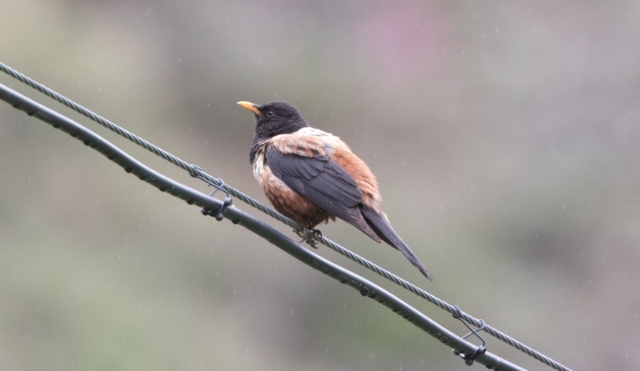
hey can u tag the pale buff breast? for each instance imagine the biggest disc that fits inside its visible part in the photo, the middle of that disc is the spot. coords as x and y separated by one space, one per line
263 174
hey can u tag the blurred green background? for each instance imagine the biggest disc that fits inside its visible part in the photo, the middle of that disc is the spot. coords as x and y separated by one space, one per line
505 137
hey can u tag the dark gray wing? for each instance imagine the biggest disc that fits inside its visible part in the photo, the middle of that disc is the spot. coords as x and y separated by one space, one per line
322 181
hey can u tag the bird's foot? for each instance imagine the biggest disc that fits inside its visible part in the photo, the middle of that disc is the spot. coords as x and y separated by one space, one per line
309 238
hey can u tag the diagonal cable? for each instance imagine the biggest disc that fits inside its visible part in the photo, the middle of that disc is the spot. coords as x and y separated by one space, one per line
197 172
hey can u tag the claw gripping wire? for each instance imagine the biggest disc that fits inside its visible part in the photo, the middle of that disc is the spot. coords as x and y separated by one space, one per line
469 358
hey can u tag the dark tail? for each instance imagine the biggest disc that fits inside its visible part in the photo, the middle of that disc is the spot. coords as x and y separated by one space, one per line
383 229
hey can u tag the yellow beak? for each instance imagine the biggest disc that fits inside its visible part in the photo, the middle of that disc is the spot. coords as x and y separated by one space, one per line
250 106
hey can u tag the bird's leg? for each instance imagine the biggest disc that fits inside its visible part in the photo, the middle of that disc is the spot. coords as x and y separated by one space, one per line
309 237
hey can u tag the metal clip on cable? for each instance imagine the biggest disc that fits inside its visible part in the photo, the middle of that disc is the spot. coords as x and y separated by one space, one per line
218 214
469 358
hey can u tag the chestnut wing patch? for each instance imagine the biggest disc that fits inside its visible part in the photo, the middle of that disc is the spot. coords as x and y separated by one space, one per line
321 180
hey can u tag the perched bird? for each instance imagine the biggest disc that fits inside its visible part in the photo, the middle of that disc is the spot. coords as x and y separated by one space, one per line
312 176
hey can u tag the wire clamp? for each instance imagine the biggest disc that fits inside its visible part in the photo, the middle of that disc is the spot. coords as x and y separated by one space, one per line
195 171
218 214
469 358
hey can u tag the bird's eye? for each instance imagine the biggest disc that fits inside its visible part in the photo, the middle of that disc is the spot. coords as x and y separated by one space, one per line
270 113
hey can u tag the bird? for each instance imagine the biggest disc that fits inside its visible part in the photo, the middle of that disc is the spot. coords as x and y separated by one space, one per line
312 176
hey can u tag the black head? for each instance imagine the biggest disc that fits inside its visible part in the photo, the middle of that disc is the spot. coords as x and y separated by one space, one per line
275 118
